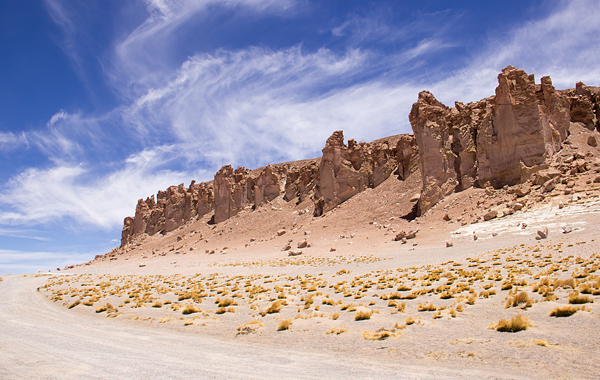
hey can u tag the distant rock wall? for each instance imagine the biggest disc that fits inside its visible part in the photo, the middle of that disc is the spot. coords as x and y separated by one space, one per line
498 141
341 173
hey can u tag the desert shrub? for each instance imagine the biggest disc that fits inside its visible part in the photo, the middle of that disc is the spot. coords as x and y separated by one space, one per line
380 334
72 305
284 325
157 304
328 301
335 316
426 307
576 298
565 311
362 315
226 302
221 310
275 307
189 309
515 324
520 298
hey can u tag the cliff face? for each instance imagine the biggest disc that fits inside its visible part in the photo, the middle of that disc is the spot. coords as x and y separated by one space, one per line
341 173
501 140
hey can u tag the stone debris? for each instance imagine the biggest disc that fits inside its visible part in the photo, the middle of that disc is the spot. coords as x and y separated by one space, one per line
294 253
542 233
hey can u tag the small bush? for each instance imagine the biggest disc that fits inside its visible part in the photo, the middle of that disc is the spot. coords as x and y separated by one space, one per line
427 307
518 299
157 304
515 324
72 305
189 309
284 325
226 302
565 311
576 298
362 315
275 307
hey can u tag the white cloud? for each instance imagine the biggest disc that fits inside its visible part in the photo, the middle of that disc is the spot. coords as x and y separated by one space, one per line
42 196
10 141
141 57
14 262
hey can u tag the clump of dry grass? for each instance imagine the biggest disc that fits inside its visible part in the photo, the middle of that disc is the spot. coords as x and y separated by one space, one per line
576 298
380 334
518 299
189 309
337 330
275 307
226 302
157 304
410 321
362 315
72 305
335 316
515 324
108 307
426 307
565 311
284 325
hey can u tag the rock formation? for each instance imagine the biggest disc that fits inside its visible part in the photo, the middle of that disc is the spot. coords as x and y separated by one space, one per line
507 139
498 141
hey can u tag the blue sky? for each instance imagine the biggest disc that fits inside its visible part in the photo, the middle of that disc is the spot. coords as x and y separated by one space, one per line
104 102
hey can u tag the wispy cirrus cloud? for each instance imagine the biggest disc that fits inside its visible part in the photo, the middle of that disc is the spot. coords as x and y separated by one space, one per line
41 196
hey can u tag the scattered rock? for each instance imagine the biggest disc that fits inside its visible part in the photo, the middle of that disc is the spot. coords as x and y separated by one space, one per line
294 253
287 247
304 244
449 243
333 249
567 229
415 197
281 232
446 217
490 215
142 265
542 233
592 141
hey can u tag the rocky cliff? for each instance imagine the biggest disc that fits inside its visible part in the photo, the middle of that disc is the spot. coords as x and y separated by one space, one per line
342 172
504 140
499 141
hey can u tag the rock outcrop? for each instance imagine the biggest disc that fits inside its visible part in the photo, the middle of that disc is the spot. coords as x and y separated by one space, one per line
341 173
348 170
498 141
508 139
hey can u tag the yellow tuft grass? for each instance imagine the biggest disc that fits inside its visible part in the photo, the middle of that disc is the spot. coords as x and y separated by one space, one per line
518 299
275 307
515 324
72 305
577 299
380 334
189 309
362 315
565 311
284 325
337 330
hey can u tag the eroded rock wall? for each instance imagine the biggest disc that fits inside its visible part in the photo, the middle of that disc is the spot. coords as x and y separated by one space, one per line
501 140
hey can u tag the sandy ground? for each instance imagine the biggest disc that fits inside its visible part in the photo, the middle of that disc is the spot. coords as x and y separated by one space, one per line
367 273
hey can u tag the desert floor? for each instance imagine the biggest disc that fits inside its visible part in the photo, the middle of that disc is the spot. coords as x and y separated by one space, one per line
430 311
